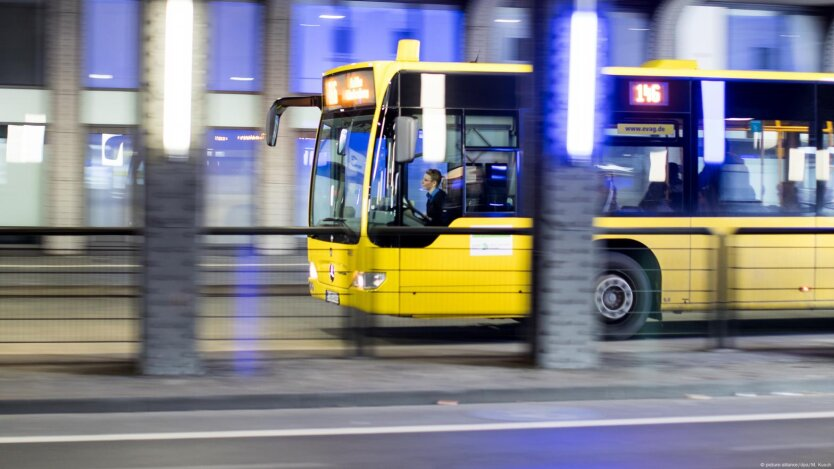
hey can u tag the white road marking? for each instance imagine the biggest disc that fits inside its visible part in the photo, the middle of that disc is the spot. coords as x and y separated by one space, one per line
286 465
340 431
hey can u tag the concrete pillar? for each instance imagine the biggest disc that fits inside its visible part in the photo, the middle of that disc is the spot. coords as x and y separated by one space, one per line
173 207
564 324
662 39
65 156
274 196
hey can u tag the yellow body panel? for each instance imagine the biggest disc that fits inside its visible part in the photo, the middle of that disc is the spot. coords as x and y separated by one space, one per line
824 268
765 271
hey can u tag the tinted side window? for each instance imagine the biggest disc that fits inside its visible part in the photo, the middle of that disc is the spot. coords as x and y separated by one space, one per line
768 169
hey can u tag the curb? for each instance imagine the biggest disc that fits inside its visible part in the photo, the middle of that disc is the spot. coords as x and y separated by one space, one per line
395 398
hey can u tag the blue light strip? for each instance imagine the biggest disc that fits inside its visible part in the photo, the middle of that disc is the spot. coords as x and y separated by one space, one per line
582 80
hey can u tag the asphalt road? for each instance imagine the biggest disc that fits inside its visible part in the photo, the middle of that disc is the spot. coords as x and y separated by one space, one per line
733 432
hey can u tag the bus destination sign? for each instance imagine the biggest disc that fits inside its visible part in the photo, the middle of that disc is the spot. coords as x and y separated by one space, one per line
349 89
643 93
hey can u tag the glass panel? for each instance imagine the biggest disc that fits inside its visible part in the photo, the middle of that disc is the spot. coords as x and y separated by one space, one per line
768 169
110 175
827 185
490 181
509 36
757 42
383 206
21 177
416 192
236 43
230 177
326 36
491 131
305 148
628 38
773 40
641 180
111 43
22 43
338 178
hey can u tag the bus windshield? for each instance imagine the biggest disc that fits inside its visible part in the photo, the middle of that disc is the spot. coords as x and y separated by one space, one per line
339 169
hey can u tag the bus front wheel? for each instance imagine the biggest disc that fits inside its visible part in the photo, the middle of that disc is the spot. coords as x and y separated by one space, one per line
622 296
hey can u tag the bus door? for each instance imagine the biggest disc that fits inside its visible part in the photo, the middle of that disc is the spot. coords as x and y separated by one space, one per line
464 275
643 184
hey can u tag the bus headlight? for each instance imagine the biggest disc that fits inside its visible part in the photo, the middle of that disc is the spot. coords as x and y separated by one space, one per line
368 280
313 274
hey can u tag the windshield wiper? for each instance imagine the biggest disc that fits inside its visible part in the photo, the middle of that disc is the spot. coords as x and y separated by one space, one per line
340 222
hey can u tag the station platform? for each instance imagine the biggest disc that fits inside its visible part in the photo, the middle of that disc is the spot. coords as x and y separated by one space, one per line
637 369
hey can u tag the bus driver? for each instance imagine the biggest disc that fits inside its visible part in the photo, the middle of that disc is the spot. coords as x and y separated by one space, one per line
435 197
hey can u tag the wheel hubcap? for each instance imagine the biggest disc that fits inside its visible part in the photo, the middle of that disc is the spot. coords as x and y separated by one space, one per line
613 297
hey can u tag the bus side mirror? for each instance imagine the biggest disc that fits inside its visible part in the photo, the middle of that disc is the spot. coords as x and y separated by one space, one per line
272 119
405 138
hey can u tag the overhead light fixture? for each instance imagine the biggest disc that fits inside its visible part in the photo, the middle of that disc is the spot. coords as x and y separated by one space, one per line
176 113
712 98
506 20
433 104
582 80
100 76
331 17
308 25
241 78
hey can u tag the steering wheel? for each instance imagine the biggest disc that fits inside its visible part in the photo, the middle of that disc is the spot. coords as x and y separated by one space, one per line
420 216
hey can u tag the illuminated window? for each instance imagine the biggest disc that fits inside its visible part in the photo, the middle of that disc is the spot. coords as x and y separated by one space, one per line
628 34
235 46
111 43
772 40
304 148
22 176
325 36
230 177
112 174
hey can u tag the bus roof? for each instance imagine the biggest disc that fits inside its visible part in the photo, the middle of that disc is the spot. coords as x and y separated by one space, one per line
647 71
475 67
689 69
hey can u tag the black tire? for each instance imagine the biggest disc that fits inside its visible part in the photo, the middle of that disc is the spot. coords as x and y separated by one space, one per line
622 297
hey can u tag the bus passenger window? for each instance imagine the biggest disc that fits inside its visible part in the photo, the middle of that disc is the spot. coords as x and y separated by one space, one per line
765 171
641 180
491 183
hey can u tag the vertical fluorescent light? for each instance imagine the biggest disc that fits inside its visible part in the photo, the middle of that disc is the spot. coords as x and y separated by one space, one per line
24 143
176 119
712 95
657 166
582 80
796 164
823 164
433 102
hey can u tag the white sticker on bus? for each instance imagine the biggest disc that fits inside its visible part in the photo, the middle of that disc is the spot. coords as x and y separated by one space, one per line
491 245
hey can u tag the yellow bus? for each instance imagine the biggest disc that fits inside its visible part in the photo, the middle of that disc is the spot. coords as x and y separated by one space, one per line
684 149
